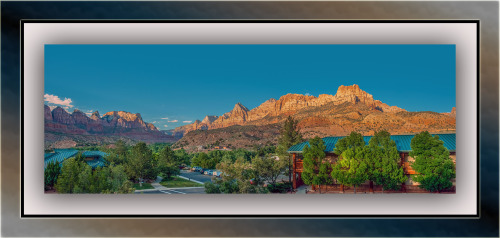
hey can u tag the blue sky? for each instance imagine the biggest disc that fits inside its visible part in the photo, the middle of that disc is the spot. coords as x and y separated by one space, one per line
172 85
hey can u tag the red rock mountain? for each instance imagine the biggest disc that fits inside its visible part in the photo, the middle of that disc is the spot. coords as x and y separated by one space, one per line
350 109
288 105
61 125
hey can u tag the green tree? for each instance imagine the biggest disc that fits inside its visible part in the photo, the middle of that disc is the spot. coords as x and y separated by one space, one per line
353 141
121 149
118 155
211 188
51 173
78 177
433 164
315 171
289 135
351 168
120 182
182 156
168 163
268 169
236 177
203 161
68 178
84 180
140 163
382 158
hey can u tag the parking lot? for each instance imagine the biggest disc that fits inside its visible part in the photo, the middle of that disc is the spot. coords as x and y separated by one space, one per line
196 176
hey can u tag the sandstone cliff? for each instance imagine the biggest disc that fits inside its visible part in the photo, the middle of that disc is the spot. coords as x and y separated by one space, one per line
61 125
287 105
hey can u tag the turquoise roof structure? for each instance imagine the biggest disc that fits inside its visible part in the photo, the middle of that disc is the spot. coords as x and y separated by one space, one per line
403 142
59 155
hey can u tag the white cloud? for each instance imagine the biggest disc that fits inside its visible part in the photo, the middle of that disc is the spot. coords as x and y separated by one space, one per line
165 118
154 122
165 125
66 103
88 113
307 94
187 121
174 121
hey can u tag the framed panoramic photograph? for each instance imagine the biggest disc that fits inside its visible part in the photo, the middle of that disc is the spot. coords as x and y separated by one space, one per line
332 118
315 118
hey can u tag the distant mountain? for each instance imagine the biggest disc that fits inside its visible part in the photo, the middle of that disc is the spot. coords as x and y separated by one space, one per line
350 109
83 130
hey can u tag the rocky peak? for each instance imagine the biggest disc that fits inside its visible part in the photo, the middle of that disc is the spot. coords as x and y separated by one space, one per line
453 112
151 127
79 117
209 119
46 113
239 111
127 116
353 94
239 108
60 115
95 116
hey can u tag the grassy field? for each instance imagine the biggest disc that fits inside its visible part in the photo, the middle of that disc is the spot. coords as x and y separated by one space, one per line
176 182
144 186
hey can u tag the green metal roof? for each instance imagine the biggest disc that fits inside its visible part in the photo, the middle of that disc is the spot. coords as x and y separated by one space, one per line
402 142
59 155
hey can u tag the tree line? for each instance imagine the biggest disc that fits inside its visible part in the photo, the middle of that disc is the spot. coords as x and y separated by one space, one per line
125 164
379 162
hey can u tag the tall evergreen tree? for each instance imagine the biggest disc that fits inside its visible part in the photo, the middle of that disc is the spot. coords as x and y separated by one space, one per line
315 171
289 135
68 178
140 163
433 164
351 167
51 173
168 163
382 158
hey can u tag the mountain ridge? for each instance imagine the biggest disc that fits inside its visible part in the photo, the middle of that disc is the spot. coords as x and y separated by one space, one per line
350 109
288 104
110 127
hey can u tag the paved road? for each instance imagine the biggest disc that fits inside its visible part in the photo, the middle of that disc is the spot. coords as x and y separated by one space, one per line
196 176
174 191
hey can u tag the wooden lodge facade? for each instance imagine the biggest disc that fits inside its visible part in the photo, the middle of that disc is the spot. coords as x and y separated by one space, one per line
402 144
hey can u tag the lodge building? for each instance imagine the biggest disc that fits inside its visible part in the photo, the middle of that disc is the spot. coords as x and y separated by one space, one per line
403 146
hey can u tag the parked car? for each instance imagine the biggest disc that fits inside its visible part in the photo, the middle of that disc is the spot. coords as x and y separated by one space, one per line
202 171
196 168
208 172
217 173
